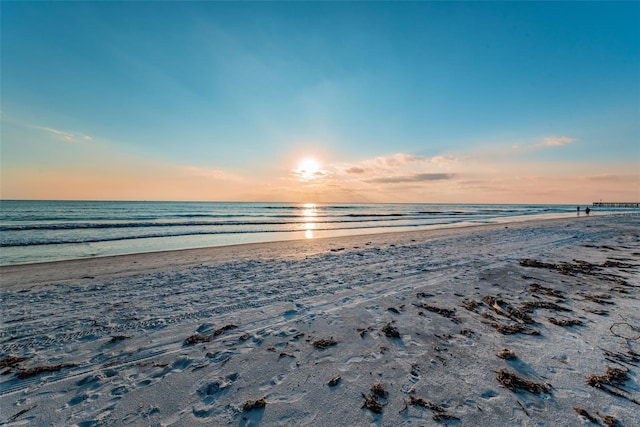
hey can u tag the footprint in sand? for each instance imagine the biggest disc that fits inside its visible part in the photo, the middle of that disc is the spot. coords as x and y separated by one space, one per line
210 392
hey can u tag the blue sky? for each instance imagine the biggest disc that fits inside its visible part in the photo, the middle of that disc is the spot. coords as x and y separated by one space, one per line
442 101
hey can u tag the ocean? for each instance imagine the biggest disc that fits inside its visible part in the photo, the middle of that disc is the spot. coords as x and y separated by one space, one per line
40 231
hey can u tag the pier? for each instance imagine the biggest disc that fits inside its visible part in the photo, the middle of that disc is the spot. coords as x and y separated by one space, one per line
616 204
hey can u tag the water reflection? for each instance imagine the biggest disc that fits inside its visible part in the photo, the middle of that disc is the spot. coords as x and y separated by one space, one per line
309 213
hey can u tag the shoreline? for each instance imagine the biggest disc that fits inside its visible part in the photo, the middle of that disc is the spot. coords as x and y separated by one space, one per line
386 329
17 272
35 254
112 264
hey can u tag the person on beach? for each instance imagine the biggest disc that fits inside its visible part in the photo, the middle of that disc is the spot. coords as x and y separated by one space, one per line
578 210
587 210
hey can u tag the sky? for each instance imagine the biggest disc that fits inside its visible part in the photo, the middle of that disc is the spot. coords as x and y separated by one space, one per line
434 102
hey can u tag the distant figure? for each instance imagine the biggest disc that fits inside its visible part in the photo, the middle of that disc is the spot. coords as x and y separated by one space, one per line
578 210
587 210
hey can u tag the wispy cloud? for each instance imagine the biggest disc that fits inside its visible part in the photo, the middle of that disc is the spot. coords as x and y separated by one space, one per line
556 141
419 177
66 136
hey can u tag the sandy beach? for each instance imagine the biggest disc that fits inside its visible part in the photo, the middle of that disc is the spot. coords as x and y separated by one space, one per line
519 324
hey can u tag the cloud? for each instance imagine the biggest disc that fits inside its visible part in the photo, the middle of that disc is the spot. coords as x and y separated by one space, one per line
556 141
419 177
66 136
355 170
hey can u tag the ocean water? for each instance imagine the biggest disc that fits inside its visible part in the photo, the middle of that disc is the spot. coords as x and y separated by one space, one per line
39 231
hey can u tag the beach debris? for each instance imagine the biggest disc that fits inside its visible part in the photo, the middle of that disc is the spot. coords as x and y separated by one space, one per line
523 408
610 421
117 338
418 401
501 307
515 383
618 264
612 382
625 330
597 311
506 354
566 268
424 295
198 338
334 381
535 288
583 412
10 362
250 405
20 413
467 332
373 401
444 417
283 354
471 305
514 329
393 310
30 372
446 312
532 305
601 299
630 358
390 331
613 376
565 322
324 343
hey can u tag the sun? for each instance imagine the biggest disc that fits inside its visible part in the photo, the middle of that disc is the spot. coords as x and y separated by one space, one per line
308 169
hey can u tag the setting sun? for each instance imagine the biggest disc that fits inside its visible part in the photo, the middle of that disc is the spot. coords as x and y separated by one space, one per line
308 169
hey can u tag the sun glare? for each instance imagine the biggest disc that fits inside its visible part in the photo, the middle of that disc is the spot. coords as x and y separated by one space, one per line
308 169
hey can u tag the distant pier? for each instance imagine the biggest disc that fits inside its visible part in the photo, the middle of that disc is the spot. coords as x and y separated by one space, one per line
616 204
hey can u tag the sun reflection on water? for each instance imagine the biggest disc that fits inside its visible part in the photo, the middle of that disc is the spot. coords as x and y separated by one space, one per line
309 213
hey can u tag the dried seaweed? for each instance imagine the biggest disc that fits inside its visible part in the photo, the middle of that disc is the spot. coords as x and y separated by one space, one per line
30 372
504 309
446 312
197 338
372 401
566 268
613 376
599 299
20 413
539 289
506 354
514 329
515 383
466 332
418 401
617 264
11 361
612 382
532 305
378 390
565 322
250 405
444 417
471 305
390 331
610 421
584 413
324 343
334 381
117 338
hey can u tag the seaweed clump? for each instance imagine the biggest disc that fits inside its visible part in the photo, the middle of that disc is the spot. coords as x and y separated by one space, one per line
515 383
